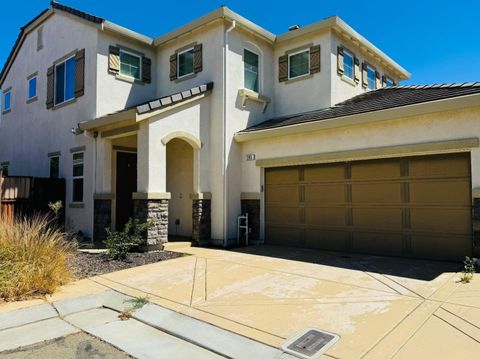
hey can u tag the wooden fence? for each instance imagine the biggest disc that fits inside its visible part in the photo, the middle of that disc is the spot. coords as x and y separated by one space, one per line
26 196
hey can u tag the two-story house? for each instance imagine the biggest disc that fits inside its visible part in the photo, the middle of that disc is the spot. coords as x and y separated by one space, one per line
307 132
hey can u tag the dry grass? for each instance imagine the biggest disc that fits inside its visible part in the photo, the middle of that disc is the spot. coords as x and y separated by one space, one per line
34 258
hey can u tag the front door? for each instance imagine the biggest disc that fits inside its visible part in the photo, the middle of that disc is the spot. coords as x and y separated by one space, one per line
126 185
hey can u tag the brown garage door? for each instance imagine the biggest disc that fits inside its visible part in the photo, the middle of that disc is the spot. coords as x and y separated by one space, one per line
415 206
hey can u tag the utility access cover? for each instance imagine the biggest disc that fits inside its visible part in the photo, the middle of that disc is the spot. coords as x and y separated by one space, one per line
310 343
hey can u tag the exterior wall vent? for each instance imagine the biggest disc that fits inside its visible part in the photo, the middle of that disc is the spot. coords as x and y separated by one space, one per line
294 27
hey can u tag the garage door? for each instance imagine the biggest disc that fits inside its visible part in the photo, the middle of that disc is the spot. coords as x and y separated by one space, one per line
414 206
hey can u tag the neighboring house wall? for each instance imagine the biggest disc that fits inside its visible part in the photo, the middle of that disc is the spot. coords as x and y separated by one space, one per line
441 126
116 92
30 131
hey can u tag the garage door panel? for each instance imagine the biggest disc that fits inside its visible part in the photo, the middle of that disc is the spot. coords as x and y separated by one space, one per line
325 216
441 247
377 192
441 220
332 193
384 218
287 236
378 243
441 191
282 175
376 169
326 239
282 194
282 215
456 165
321 173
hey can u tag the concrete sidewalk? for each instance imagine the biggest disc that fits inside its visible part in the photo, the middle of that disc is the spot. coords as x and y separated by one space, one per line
380 307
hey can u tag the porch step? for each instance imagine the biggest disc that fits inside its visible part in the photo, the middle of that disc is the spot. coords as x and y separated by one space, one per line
170 246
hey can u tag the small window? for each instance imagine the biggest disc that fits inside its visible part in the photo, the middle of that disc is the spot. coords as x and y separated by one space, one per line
371 78
250 63
299 64
32 87
54 166
130 64
77 178
388 82
65 81
4 169
7 101
348 66
40 38
185 62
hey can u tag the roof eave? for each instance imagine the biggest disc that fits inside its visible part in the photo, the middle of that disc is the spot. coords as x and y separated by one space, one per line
123 31
424 108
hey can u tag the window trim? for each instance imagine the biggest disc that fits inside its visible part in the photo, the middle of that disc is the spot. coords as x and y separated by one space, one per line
369 67
308 67
55 103
82 177
349 53
121 49
259 82
5 109
191 48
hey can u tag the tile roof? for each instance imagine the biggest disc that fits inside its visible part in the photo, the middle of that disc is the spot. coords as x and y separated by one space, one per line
81 14
173 99
381 99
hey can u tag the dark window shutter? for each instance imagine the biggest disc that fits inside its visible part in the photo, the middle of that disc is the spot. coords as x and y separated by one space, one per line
340 67
114 59
80 73
197 58
50 86
173 67
364 75
378 83
357 70
146 70
315 59
283 68
384 80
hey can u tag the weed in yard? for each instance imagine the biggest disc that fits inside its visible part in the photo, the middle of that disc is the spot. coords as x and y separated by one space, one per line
34 258
136 303
468 270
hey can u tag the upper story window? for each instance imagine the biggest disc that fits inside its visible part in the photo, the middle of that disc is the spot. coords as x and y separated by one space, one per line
130 64
7 101
250 63
388 82
40 38
370 78
54 166
77 178
348 64
65 81
299 64
185 62
32 87
4 168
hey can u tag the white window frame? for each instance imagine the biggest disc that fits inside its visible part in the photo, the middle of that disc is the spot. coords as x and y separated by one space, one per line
139 64
64 83
5 109
374 77
348 53
178 62
308 68
82 177
258 68
36 87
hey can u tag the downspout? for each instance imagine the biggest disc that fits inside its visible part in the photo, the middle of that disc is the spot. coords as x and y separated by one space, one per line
224 140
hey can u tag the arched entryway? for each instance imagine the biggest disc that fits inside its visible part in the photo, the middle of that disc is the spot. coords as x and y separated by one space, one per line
180 183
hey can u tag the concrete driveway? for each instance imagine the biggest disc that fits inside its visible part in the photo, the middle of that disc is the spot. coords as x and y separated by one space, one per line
380 307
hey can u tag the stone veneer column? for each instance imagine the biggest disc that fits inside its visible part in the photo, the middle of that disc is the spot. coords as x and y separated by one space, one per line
102 215
476 224
201 217
250 203
153 207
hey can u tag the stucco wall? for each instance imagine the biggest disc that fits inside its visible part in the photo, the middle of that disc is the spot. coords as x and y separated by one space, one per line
30 131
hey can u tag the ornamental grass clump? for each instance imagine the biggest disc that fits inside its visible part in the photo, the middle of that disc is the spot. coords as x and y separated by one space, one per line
34 258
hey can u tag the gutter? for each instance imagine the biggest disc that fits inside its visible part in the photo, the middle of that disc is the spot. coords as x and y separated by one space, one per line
454 103
224 125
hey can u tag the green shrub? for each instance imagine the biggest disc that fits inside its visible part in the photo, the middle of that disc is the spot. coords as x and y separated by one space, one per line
119 244
468 270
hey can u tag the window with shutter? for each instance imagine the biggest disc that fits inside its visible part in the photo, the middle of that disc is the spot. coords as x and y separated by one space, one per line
65 81
185 62
113 59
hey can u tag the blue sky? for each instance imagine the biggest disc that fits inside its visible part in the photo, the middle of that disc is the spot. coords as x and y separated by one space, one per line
436 40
